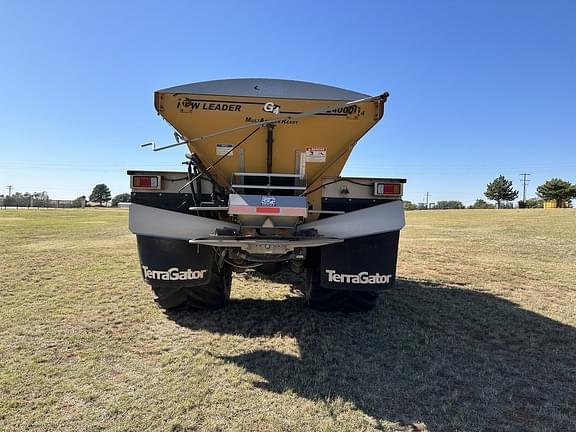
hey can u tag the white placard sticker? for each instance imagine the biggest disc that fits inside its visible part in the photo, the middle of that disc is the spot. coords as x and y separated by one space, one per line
222 149
315 154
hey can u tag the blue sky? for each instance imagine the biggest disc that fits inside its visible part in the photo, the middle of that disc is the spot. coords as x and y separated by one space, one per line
477 89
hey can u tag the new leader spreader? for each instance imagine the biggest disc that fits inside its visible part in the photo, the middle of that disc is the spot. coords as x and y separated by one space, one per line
263 191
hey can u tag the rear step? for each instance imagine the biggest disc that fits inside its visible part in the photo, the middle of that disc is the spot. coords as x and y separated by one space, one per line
265 246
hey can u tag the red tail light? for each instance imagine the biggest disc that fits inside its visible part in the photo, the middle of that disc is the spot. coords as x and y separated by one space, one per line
387 189
145 182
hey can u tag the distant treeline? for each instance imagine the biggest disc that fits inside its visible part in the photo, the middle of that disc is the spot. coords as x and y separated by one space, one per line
479 204
39 200
555 192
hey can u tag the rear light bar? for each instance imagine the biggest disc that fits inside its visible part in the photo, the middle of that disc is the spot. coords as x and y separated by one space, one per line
146 182
261 210
387 189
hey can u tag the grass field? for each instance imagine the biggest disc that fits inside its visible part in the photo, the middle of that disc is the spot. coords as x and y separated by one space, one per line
478 335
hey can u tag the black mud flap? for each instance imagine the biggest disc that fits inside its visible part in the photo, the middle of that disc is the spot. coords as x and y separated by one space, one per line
360 264
171 263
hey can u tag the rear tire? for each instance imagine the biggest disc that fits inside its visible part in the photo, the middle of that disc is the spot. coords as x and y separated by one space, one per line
319 298
213 295
361 301
327 300
169 298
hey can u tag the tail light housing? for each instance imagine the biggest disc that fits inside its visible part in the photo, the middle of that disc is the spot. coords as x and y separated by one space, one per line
149 182
387 189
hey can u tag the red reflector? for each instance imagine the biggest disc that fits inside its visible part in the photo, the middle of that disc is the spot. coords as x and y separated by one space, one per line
387 189
391 189
143 181
150 182
267 209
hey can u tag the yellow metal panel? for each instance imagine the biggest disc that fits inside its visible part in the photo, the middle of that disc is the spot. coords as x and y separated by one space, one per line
328 137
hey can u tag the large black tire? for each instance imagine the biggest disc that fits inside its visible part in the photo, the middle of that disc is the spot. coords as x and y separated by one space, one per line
319 298
328 300
169 297
214 295
361 301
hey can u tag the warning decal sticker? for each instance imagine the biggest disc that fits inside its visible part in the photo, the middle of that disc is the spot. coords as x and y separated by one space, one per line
222 149
315 154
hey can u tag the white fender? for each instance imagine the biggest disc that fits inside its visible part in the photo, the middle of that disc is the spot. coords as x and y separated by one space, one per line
154 222
372 220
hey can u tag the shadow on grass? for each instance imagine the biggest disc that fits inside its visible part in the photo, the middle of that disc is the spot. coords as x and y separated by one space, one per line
451 358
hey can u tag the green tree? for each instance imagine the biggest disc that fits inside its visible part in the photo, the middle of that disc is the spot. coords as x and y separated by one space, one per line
10 201
79 202
125 197
408 205
558 190
100 194
534 203
446 205
481 204
40 199
500 190
40 196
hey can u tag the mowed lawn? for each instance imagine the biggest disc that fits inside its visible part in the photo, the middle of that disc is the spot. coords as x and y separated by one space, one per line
478 335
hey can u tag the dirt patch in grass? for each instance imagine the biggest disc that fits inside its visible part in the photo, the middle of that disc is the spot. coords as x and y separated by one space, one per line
479 334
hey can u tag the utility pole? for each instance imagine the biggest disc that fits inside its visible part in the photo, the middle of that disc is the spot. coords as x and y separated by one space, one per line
525 182
9 190
427 197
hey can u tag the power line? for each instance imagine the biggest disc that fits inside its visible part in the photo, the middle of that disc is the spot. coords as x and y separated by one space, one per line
525 182
9 190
